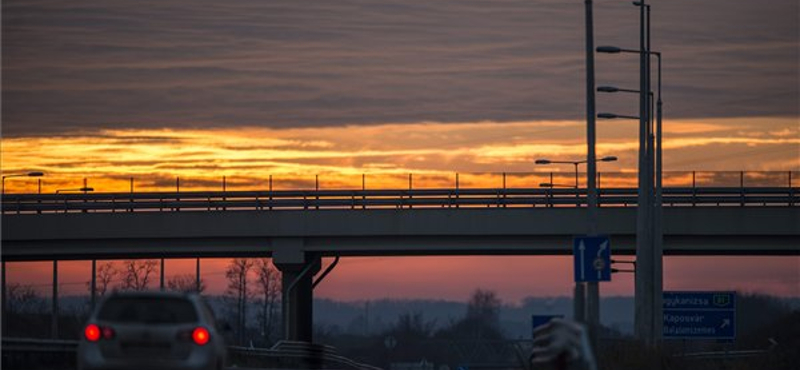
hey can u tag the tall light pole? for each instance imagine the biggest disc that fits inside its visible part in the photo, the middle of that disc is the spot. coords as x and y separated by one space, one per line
83 190
643 310
28 174
593 293
649 307
575 164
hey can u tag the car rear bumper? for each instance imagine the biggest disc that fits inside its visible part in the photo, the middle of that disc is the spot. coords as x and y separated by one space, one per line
90 358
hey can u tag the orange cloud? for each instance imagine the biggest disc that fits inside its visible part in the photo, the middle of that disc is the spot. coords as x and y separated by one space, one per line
433 152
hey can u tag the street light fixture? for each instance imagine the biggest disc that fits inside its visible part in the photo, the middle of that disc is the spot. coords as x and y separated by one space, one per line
615 116
614 89
28 174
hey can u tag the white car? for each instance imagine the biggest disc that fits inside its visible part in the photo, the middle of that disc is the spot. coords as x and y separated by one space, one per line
151 330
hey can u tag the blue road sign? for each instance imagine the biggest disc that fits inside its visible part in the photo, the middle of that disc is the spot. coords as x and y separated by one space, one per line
592 255
539 320
699 315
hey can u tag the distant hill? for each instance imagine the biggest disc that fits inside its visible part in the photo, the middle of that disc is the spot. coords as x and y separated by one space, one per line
515 320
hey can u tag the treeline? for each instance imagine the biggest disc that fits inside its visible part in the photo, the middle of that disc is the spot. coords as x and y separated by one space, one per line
767 325
252 284
252 299
413 338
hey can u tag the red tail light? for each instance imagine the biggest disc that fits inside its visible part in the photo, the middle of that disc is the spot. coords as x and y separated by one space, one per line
92 332
108 333
200 336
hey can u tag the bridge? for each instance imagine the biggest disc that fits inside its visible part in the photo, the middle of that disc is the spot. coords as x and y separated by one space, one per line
297 228
715 221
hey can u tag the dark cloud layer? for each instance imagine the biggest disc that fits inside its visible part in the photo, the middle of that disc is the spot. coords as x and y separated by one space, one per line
85 64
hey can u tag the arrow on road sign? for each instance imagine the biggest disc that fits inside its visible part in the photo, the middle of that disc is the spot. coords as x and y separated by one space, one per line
600 257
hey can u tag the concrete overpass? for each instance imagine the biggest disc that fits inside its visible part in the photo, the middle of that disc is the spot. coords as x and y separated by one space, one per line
420 231
296 229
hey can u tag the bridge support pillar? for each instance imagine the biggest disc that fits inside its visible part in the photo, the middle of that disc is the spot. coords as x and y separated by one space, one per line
297 302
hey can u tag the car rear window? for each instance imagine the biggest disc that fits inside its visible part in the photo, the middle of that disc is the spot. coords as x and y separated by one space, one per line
148 310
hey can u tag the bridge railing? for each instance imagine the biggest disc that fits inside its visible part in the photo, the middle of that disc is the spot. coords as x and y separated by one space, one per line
386 199
331 180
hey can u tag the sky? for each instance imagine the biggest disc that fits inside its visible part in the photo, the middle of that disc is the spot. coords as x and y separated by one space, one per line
199 89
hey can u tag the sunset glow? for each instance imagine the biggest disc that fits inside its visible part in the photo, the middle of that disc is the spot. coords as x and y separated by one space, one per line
385 155
433 153
454 278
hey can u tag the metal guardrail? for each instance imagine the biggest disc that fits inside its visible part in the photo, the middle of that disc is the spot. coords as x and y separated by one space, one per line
713 355
38 345
284 353
32 354
299 354
385 199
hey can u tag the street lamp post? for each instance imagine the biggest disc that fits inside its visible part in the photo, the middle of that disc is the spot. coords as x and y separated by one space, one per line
649 241
656 219
592 310
28 174
83 189
575 164
644 312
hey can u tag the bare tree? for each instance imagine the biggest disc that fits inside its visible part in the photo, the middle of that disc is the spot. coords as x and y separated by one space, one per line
23 299
268 288
186 283
481 322
484 306
105 275
238 291
136 274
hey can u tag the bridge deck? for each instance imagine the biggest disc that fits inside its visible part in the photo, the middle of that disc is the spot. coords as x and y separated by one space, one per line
716 221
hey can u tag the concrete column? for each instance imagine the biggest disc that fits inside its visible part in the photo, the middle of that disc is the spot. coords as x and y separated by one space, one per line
298 269
297 303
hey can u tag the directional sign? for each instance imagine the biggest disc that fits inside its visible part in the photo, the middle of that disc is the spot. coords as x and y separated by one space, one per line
592 256
699 315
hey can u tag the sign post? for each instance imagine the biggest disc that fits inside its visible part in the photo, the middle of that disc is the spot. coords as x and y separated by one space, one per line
699 315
